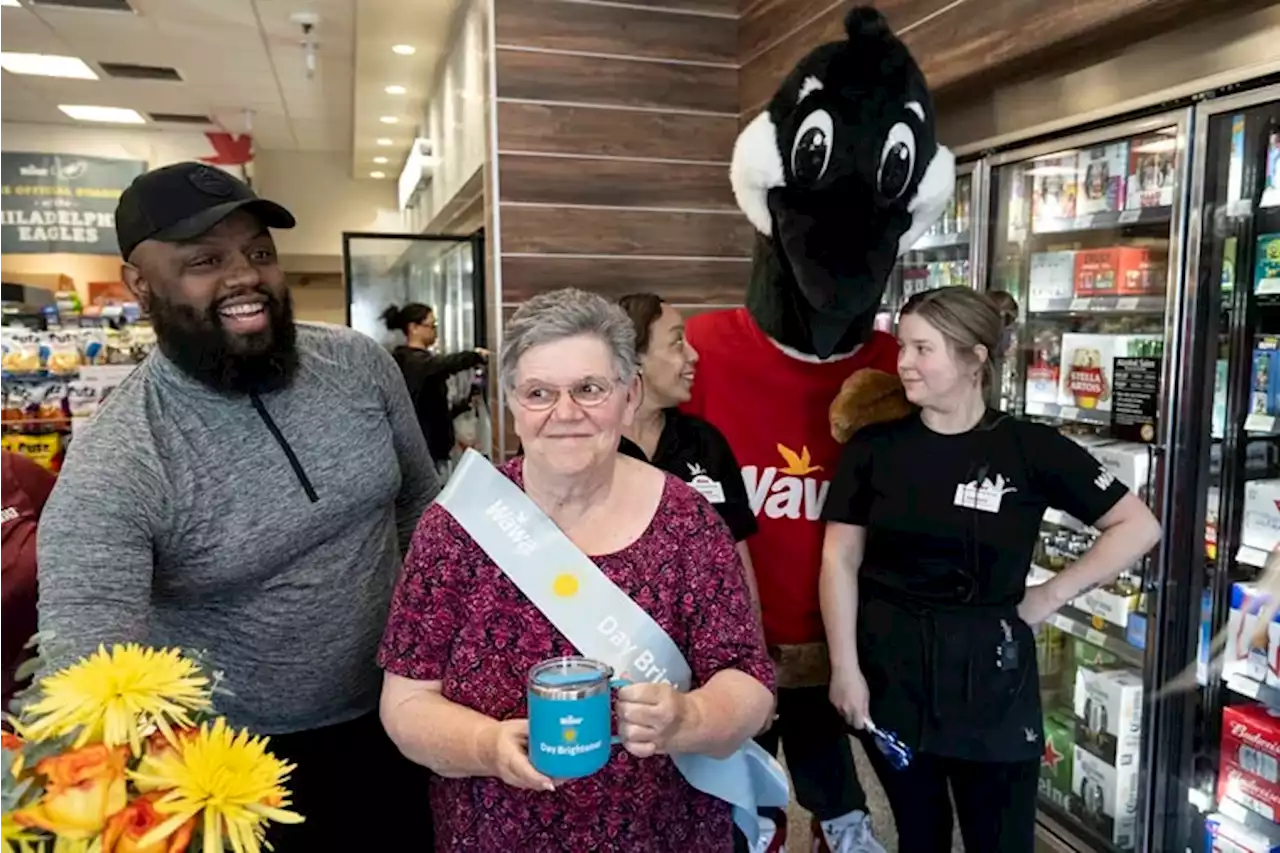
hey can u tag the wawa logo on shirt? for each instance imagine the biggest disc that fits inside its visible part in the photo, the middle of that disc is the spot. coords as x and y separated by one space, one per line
986 496
789 491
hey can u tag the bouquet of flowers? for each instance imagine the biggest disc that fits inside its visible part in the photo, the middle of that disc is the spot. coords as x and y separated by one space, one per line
121 752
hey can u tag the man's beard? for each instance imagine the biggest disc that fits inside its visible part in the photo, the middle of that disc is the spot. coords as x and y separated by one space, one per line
198 344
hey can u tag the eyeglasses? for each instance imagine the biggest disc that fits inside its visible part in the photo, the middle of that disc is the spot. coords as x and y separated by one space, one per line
588 393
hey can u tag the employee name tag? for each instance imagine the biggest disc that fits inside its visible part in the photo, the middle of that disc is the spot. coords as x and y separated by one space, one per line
708 488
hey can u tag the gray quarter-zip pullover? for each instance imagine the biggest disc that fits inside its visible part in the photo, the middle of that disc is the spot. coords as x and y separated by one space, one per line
266 531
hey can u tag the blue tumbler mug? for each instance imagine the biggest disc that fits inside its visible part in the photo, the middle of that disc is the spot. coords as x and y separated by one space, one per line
570 716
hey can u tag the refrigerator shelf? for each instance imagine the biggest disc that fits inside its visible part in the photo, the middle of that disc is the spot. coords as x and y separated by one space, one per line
1261 424
1108 220
1068 413
1100 305
1246 817
1073 622
1256 690
941 241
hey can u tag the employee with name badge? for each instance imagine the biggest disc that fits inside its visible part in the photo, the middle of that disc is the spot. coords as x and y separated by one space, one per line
931 524
571 646
683 444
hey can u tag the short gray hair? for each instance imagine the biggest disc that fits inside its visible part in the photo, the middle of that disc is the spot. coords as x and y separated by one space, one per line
567 313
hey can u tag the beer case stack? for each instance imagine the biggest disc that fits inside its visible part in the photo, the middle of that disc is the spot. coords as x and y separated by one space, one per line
1108 736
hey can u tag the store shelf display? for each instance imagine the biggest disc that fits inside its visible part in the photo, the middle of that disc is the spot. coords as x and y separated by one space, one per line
55 379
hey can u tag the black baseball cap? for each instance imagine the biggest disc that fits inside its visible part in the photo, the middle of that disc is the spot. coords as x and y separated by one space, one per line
185 200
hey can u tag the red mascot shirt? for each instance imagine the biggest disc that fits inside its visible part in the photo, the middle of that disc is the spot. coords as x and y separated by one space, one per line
773 409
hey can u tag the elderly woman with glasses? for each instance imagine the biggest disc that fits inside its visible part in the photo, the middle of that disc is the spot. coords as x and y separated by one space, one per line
461 637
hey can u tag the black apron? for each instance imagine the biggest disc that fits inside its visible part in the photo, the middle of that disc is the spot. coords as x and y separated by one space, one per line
942 676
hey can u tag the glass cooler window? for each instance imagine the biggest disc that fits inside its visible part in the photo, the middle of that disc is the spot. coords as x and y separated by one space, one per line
1080 236
1237 262
940 258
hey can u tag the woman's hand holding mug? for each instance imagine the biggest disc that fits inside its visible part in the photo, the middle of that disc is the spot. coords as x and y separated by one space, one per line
849 694
508 754
650 717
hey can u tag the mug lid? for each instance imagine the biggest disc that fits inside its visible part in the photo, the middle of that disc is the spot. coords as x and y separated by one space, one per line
569 677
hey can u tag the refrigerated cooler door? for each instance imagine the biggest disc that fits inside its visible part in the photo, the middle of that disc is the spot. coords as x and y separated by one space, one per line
1235 771
1083 235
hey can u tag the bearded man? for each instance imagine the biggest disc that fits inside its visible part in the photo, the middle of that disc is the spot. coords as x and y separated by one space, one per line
248 493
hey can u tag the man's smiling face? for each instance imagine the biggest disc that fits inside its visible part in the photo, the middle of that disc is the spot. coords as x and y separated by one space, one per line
219 304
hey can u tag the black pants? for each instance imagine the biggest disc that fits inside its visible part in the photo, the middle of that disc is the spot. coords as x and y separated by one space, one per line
819 760
995 803
355 789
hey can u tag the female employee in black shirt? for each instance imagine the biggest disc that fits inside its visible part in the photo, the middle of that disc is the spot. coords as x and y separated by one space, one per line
680 443
933 519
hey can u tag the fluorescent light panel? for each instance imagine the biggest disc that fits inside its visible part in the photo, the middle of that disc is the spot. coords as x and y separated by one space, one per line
9 3
115 115
46 65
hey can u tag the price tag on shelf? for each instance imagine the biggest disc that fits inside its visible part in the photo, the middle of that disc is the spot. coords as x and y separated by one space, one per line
1127 303
1130 216
1080 304
1096 637
1260 423
1069 413
1244 686
1083 223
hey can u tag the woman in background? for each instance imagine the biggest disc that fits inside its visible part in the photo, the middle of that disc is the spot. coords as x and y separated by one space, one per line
676 442
26 488
427 376
932 520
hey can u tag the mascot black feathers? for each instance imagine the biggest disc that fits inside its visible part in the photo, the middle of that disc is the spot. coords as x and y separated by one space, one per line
840 175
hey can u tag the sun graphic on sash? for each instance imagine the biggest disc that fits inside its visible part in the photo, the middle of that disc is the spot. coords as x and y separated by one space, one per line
565 585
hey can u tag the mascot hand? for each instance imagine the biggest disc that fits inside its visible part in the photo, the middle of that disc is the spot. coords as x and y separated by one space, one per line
867 397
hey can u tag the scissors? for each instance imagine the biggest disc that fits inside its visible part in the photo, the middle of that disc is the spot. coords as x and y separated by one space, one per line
897 753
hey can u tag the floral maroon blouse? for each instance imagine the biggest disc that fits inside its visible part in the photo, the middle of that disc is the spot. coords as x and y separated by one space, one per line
456 618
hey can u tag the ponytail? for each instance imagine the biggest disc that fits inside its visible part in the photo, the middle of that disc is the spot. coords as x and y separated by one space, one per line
398 319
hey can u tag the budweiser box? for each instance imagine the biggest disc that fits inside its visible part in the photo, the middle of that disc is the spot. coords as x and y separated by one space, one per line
1105 797
1252 792
1108 709
1224 835
1251 741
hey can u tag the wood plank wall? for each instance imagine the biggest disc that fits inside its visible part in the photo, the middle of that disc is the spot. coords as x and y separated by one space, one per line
962 45
615 125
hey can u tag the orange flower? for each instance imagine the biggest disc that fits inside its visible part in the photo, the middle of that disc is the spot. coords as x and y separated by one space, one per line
158 747
126 828
8 740
84 788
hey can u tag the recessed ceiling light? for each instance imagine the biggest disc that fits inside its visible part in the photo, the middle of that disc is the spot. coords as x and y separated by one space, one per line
377 174
118 115
45 65
9 2
395 90
389 120
379 160
385 141
403 49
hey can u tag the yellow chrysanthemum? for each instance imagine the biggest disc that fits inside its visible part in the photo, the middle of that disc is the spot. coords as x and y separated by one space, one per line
113 697
17 838
227 775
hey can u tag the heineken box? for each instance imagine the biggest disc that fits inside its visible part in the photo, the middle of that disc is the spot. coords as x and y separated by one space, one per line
1055 763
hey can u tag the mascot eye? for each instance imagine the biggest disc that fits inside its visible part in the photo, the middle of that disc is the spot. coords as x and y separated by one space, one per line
812 149
897 161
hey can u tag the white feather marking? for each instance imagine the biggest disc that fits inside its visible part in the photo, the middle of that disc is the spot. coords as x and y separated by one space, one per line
808 87
757 168
930 200
917 108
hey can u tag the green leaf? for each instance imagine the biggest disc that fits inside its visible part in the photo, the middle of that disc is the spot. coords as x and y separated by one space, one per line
27 669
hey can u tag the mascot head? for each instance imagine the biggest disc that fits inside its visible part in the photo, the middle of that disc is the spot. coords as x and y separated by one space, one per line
840 175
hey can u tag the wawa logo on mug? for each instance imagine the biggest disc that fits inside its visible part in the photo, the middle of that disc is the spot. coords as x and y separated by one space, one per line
644 666
512 524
